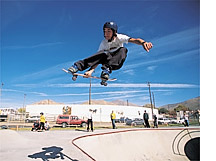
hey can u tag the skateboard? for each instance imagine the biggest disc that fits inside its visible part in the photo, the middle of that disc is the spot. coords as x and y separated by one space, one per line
75 75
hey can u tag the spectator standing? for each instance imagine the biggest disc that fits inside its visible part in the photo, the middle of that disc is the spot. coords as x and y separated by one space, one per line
42 121
145 118
155 121
198 116
186 120
113 117
90 120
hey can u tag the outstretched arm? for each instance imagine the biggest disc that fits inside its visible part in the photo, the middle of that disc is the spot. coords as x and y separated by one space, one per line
146 45
91 70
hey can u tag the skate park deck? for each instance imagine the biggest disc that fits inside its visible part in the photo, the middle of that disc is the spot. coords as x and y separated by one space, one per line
142 144
101 145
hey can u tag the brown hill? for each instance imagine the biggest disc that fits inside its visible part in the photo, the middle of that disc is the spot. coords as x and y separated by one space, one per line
47 102
123 103
98 102
93 102
192 104
115 102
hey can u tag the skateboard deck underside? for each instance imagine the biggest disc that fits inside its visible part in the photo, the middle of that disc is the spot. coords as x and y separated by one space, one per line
83 75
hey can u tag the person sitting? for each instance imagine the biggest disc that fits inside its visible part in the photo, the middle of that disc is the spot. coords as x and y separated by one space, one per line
46 125
35 126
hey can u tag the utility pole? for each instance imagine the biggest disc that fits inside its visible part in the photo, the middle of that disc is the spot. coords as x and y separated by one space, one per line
90 92
148 83
153 99
24 101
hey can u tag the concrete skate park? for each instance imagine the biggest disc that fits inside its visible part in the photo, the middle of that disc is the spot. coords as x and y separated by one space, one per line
102 145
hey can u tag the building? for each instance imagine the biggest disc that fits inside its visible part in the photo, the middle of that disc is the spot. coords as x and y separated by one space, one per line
101 113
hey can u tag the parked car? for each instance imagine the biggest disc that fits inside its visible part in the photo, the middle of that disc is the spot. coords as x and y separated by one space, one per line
4 127
162 121
181 121
173 121
117 121
124 119
135 122
3 117
32 119
66 120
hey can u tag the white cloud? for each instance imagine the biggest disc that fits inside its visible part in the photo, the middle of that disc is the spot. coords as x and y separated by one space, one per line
165 48
32 46
162 59
45 74
128 85
151 68
129 72
24 92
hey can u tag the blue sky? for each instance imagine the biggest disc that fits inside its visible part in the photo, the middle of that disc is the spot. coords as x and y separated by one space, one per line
39 38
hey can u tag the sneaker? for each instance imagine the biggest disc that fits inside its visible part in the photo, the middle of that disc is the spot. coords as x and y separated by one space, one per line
105 74
73 69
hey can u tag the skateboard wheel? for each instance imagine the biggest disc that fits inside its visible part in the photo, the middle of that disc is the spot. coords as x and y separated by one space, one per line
104 83
74 78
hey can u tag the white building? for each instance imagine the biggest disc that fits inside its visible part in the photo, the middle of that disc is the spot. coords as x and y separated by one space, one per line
101 112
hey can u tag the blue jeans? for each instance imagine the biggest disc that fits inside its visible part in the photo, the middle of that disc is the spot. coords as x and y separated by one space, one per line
113 123
187 123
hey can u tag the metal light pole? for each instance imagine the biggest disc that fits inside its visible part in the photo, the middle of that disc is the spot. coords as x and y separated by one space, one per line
148 83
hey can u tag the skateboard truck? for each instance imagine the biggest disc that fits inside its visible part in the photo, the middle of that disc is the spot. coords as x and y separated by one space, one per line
103 82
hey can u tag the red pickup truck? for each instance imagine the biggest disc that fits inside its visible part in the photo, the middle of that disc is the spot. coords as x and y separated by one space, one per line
66 120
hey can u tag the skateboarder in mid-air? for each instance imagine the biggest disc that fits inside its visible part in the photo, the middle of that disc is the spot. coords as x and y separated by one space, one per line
111 53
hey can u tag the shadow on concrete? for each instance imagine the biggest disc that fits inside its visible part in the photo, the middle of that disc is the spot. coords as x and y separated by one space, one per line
52 152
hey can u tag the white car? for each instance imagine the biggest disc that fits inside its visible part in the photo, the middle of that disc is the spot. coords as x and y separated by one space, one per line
181 121
163 121
32 119
175 121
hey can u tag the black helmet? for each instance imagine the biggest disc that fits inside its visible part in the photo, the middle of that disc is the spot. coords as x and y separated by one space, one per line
111 25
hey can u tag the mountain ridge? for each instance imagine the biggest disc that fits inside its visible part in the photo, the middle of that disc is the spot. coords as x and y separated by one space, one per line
192 104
